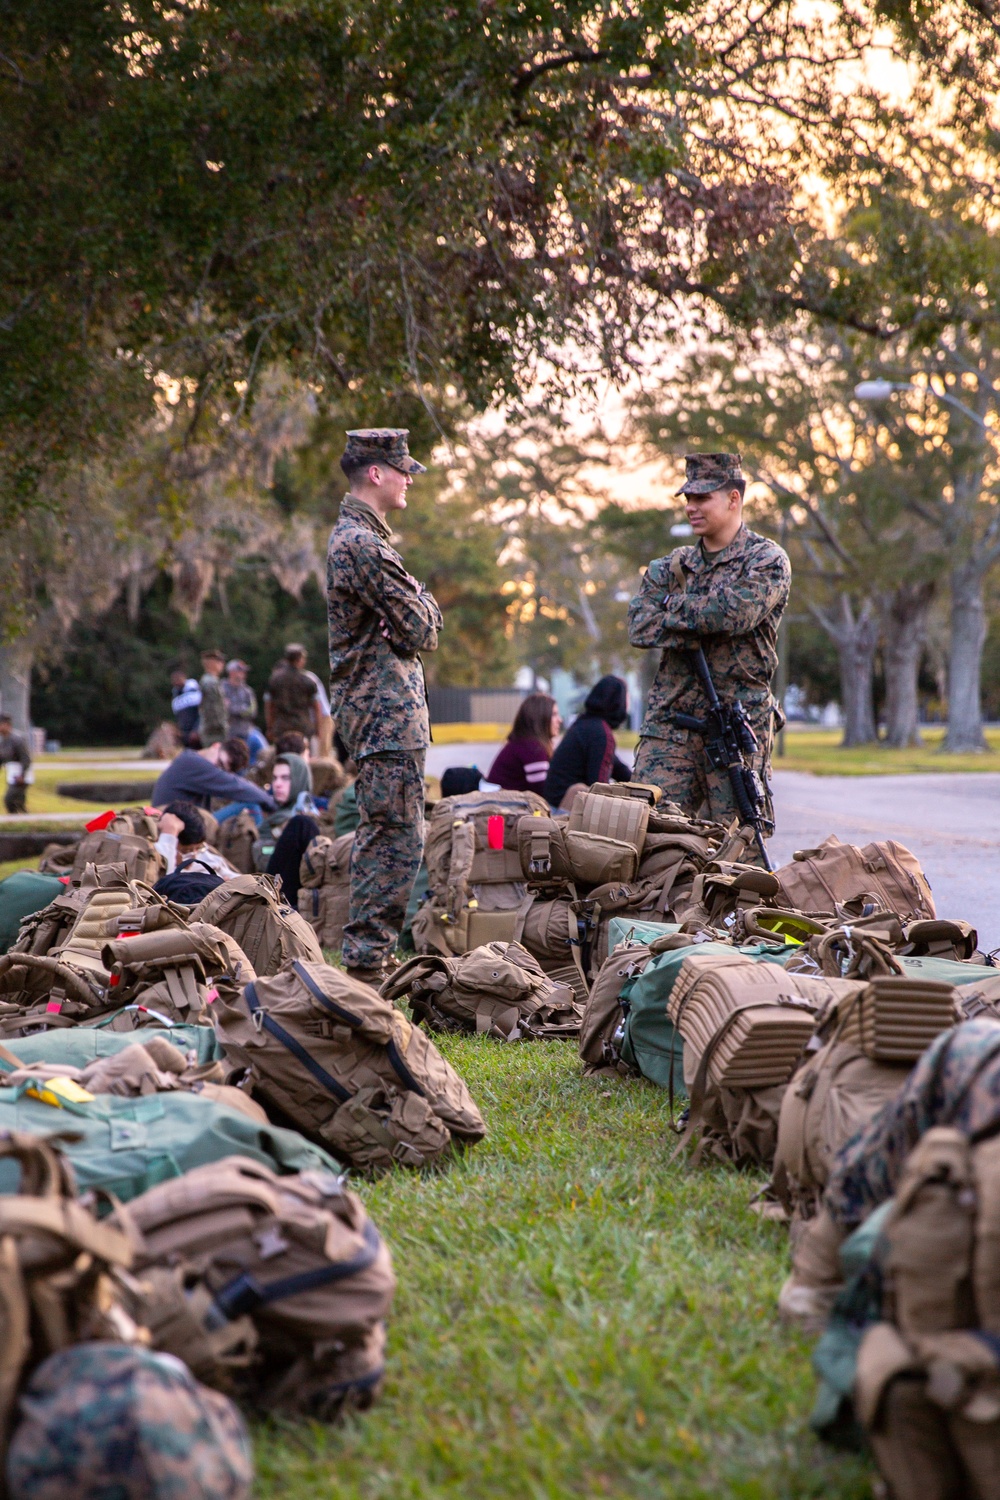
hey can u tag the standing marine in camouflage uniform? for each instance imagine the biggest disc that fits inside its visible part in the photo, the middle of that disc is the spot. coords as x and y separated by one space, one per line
728 591
380 619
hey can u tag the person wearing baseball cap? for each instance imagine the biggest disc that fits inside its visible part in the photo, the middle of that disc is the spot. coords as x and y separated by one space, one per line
380 619
728 590
241 700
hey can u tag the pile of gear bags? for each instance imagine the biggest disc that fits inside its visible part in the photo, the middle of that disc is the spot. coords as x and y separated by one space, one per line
182 1089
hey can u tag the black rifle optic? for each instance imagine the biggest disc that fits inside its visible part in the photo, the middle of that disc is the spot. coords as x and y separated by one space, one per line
730 744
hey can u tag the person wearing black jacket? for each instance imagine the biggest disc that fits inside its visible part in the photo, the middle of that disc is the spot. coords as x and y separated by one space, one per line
587 751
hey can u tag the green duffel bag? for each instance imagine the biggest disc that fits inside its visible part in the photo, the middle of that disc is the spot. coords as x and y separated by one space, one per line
79 1046
126 1146
21 894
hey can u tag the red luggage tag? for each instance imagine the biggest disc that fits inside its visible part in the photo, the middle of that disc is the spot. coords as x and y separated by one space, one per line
96 824
494 831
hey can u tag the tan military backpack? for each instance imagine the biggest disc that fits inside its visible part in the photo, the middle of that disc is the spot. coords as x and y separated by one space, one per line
58 1268
842 878
235 841
927 1382
252 910
475 881
277 1286
325 890
347 1068
118 843
497 990
602 1029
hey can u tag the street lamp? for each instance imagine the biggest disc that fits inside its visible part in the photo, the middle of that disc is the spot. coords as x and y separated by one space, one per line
881 390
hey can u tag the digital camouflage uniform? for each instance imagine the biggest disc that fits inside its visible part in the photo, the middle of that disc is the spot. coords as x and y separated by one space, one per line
380 618
731 601
956 1082
103 1421
213 715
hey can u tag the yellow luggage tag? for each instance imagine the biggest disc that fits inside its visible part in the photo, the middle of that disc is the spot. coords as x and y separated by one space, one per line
57 1090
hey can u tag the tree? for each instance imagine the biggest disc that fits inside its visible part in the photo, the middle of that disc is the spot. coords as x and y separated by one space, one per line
862 564
390 199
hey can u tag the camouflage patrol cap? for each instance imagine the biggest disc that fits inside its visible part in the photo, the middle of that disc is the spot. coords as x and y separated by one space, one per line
380 445
103 1419
709 471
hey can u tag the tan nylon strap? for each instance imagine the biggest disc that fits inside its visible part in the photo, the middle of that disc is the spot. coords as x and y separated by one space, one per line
68 1221
677 572
16 1343
522 916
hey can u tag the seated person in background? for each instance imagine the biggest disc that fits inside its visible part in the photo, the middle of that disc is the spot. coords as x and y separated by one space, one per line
523 763
199 775
586 752
459 781
291 743
182 837
292 825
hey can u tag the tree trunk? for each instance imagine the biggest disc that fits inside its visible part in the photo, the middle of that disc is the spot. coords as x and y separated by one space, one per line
968 634
856 640
904 634
15 683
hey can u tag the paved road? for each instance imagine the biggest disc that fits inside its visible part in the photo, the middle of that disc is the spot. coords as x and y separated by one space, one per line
951 822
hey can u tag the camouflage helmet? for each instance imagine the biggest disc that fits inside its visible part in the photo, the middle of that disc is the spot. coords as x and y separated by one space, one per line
710 471
103 1419
380 445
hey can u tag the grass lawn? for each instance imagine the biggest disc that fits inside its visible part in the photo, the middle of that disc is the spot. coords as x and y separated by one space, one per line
818 751
575 1317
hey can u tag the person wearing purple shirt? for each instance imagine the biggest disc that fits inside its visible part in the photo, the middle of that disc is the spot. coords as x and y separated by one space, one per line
523 763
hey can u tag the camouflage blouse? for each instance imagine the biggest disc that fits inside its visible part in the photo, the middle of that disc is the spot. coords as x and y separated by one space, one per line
732 600
380 619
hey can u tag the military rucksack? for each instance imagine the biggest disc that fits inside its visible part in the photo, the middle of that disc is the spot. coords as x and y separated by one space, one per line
927 1379
325 889
347 1068
498 990
842 878
602 1030
252 910
57 1267
857 1064
235 840
279 1286
475 879
118 843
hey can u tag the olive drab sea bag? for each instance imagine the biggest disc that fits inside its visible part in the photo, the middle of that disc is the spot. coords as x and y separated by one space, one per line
497 990
274 1286
252 910
347 1067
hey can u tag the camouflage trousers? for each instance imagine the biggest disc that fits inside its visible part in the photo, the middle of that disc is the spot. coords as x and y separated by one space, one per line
675 761
388 848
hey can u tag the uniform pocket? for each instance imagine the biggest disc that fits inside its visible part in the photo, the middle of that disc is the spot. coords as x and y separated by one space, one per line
390 791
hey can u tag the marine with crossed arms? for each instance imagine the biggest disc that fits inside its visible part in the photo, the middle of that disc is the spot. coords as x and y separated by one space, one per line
727 590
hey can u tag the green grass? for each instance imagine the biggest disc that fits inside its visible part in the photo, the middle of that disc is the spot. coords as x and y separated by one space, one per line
819 751
575 1317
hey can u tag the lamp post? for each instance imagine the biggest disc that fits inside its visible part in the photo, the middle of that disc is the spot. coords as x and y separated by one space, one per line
881 390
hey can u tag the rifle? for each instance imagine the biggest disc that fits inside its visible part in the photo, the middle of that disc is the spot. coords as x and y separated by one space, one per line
729 744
